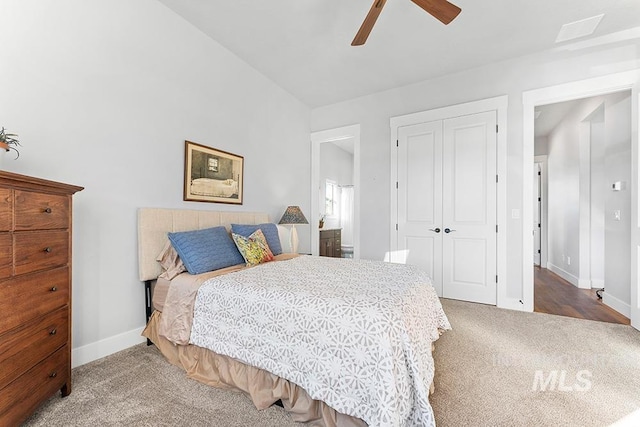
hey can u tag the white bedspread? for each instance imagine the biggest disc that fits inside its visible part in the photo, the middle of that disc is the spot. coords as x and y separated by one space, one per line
354 334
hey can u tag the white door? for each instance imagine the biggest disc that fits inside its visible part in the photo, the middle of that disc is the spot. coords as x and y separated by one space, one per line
537 203
420 198
447 204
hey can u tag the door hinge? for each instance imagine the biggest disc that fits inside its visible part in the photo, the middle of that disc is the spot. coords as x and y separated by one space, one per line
539 251
396 227
539 225
496 128
539 199
496 178
496 278
397 185
539 173
397 143
496 228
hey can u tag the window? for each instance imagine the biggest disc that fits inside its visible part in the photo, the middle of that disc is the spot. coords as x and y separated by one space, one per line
213 164
331 199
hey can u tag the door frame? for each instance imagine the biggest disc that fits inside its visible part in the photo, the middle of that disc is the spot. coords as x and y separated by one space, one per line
333 135
628 80
498 104
542 161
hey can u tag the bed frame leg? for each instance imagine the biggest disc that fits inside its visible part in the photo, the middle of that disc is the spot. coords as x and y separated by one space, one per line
147 300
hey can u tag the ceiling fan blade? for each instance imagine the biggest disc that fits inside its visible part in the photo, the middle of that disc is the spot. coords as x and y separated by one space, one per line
442 10
369 22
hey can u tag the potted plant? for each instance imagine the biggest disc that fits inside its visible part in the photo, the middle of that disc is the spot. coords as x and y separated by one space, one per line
9 141
321 221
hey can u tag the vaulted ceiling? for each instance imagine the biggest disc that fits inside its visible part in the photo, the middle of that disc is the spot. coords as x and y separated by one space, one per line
304 45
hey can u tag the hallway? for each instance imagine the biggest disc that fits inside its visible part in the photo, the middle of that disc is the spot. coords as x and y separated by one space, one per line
554 295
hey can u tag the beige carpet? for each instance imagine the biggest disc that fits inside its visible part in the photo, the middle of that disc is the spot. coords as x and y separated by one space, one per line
485 370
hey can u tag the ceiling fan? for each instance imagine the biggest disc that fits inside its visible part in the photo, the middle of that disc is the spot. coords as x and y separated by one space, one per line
442 10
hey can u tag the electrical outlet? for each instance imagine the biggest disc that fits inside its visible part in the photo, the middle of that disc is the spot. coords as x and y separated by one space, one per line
616 215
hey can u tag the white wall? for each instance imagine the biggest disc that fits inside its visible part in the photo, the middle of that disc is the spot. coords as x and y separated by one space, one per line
564 163
103 95
541 146
336 165
599 191
510 77
617 121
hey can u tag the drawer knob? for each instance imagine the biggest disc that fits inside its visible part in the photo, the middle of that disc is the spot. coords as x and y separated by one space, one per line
53 374
53 332
47 249
47 210
54 289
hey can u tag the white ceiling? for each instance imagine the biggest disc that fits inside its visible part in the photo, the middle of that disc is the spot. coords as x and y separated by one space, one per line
304 45
551 115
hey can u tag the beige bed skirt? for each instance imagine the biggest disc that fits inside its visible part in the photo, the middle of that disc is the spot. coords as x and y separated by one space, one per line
262 387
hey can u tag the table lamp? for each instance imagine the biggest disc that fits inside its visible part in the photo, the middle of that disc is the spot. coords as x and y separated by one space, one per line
292 216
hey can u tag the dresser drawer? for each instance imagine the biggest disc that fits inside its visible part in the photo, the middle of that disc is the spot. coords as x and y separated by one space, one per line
6 209
24 395
327 234
40 250
38 211
6 255
24 298
22 348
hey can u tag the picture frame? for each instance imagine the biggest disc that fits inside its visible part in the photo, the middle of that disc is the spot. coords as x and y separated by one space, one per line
212 175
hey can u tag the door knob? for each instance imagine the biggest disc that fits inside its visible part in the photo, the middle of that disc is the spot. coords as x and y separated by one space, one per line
437 230
449 230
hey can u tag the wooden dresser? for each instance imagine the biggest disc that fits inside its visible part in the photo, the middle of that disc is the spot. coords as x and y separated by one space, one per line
35 293
330 243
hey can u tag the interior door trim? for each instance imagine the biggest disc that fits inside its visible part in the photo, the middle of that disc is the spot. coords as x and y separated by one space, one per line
332 135
610 83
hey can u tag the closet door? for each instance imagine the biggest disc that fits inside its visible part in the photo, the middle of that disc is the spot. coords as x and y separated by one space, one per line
420 198
469 208
447 204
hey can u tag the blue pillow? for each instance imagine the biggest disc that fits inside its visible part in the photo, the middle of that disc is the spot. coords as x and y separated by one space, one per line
269 230
206 250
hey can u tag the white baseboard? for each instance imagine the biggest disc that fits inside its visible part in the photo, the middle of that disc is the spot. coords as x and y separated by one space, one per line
584 284
97 350
564 274
597 283
618 305
511 304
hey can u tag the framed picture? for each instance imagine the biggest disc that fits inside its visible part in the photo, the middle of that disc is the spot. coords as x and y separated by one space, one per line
212 175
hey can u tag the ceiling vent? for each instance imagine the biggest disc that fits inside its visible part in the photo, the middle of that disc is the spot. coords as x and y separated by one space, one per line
577 29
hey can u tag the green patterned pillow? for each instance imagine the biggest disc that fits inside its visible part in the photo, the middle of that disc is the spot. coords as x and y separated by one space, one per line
254 248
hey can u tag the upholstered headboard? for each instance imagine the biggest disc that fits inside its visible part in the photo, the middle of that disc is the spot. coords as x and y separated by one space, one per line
154 224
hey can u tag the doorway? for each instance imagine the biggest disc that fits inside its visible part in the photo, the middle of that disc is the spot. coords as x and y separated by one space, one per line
586 144
579 263
335 189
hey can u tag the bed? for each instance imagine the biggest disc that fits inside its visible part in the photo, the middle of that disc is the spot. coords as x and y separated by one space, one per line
336 342
214 187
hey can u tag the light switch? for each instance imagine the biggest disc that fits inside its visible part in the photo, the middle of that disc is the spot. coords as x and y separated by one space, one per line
616 215
618 186
515 213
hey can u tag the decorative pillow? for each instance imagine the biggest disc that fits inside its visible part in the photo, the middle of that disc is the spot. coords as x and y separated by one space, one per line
254 248
206 250
269 230
170 262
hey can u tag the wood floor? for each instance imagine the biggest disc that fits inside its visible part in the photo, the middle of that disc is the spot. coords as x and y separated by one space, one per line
554 295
